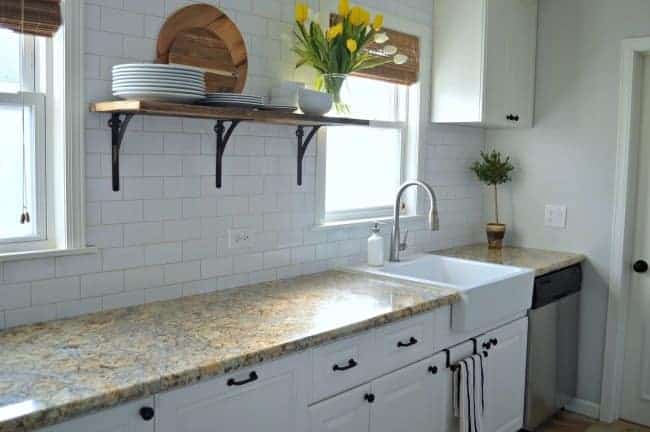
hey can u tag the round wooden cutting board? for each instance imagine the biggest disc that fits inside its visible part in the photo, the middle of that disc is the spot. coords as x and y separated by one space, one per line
201 35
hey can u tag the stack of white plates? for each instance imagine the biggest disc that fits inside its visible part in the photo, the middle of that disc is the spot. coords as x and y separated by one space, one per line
158 82
234 100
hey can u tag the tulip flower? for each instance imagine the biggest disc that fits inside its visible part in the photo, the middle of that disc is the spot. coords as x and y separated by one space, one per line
356 16
334 31
344 8
379 22
302 12
352 45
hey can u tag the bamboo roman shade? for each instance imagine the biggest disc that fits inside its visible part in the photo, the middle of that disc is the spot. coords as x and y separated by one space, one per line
41 17
409 45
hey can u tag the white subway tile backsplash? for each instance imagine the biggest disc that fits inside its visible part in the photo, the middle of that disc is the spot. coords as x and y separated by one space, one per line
55 290
165 234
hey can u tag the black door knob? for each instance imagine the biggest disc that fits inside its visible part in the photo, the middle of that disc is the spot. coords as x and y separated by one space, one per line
640 266
369 397
147 413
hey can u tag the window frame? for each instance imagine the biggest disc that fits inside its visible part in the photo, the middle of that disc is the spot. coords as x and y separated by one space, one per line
343 216
64 178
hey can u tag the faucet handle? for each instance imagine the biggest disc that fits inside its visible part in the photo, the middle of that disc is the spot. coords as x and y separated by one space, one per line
402 242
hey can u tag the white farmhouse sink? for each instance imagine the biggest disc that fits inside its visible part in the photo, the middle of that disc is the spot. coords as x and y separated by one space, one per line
490 293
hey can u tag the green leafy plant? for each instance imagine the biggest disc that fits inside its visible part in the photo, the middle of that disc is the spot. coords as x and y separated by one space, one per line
493 169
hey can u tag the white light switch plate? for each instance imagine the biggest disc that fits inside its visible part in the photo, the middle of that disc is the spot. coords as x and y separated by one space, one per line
240 238
555 216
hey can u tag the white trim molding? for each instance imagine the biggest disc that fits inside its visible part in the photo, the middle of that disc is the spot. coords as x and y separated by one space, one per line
623 223
583 407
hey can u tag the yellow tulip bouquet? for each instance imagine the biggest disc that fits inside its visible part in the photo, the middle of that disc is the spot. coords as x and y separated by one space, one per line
340 50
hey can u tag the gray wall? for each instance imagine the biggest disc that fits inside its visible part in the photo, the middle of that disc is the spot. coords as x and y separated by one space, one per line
569 156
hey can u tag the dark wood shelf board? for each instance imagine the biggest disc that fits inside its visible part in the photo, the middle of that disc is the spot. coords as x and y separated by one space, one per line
220 113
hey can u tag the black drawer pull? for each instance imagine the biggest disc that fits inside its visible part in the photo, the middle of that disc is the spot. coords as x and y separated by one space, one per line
251 377
350 365
433 370
487 345
411 342
494 341
369 397
147 413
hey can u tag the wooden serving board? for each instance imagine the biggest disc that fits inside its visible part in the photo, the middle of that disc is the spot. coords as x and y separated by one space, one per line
201 35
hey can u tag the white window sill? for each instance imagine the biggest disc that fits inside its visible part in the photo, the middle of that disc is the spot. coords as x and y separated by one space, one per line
326 226
18 256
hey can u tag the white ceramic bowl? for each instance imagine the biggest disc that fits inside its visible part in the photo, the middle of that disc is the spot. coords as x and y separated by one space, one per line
314 103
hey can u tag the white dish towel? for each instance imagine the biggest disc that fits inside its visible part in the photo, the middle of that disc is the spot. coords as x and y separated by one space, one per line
469 393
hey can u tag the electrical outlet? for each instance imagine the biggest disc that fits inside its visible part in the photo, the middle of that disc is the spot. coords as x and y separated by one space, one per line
240 238
555 216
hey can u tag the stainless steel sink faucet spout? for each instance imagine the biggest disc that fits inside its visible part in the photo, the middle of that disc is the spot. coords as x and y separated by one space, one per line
396 243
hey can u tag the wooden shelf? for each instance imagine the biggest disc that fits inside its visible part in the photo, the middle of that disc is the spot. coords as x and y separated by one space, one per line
219 113
123 111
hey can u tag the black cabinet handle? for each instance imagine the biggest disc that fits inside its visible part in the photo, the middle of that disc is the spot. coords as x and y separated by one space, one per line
350 365
147 413
512 117
494 341
251 377
487 345
640 266
411 342
433 370
485 354
369 397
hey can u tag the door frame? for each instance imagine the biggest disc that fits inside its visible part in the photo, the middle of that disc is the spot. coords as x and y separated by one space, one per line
622 241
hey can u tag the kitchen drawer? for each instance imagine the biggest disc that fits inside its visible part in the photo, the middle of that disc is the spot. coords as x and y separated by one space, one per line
404 342
341 365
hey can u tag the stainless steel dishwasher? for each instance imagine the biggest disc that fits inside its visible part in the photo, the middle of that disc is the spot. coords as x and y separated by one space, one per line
551 375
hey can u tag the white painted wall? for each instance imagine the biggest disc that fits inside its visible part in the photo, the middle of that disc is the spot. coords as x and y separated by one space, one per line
163 235
568 158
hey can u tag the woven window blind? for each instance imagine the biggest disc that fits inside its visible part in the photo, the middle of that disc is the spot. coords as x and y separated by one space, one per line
41 17
409 45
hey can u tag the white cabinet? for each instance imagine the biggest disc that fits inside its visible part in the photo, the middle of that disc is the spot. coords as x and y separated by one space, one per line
484 62
412 399
124 418
348 412
268 397
505 377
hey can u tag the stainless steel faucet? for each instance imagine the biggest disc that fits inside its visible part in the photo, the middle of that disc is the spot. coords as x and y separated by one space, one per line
396 243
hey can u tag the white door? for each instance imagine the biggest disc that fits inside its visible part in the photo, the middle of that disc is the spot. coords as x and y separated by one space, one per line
347 412
124 418
269 397
407 400
635 400
505 377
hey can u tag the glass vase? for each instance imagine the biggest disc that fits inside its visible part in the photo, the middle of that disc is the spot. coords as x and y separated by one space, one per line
335 85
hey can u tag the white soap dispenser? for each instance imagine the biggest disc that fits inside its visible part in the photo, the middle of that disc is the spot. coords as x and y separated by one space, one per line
375 247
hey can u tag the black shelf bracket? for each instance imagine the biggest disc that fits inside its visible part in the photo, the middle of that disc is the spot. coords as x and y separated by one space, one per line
223 136
118 128
303 143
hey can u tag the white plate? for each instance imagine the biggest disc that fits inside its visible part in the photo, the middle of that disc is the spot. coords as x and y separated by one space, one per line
158 90
158 96
157 66
157 79
233 104
281 108
158 72
196 78
180 86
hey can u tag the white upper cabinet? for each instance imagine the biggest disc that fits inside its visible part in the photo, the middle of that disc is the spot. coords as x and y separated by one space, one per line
484 62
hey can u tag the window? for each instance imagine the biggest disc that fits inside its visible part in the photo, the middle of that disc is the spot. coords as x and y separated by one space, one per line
22 152
363 167
41 118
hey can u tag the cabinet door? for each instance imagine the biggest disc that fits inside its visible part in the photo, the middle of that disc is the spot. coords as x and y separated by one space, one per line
124 418
521 50
347 412
505 377
268 397
410 399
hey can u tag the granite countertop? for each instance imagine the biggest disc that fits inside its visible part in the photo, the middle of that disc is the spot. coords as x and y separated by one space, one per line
542 261
54 371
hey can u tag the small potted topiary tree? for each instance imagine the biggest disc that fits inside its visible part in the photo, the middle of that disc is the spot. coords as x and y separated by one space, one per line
494 170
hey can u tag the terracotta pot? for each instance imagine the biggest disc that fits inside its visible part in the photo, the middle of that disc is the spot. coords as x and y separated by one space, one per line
495 234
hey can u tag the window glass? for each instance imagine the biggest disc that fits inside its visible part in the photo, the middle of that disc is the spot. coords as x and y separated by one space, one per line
9 61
